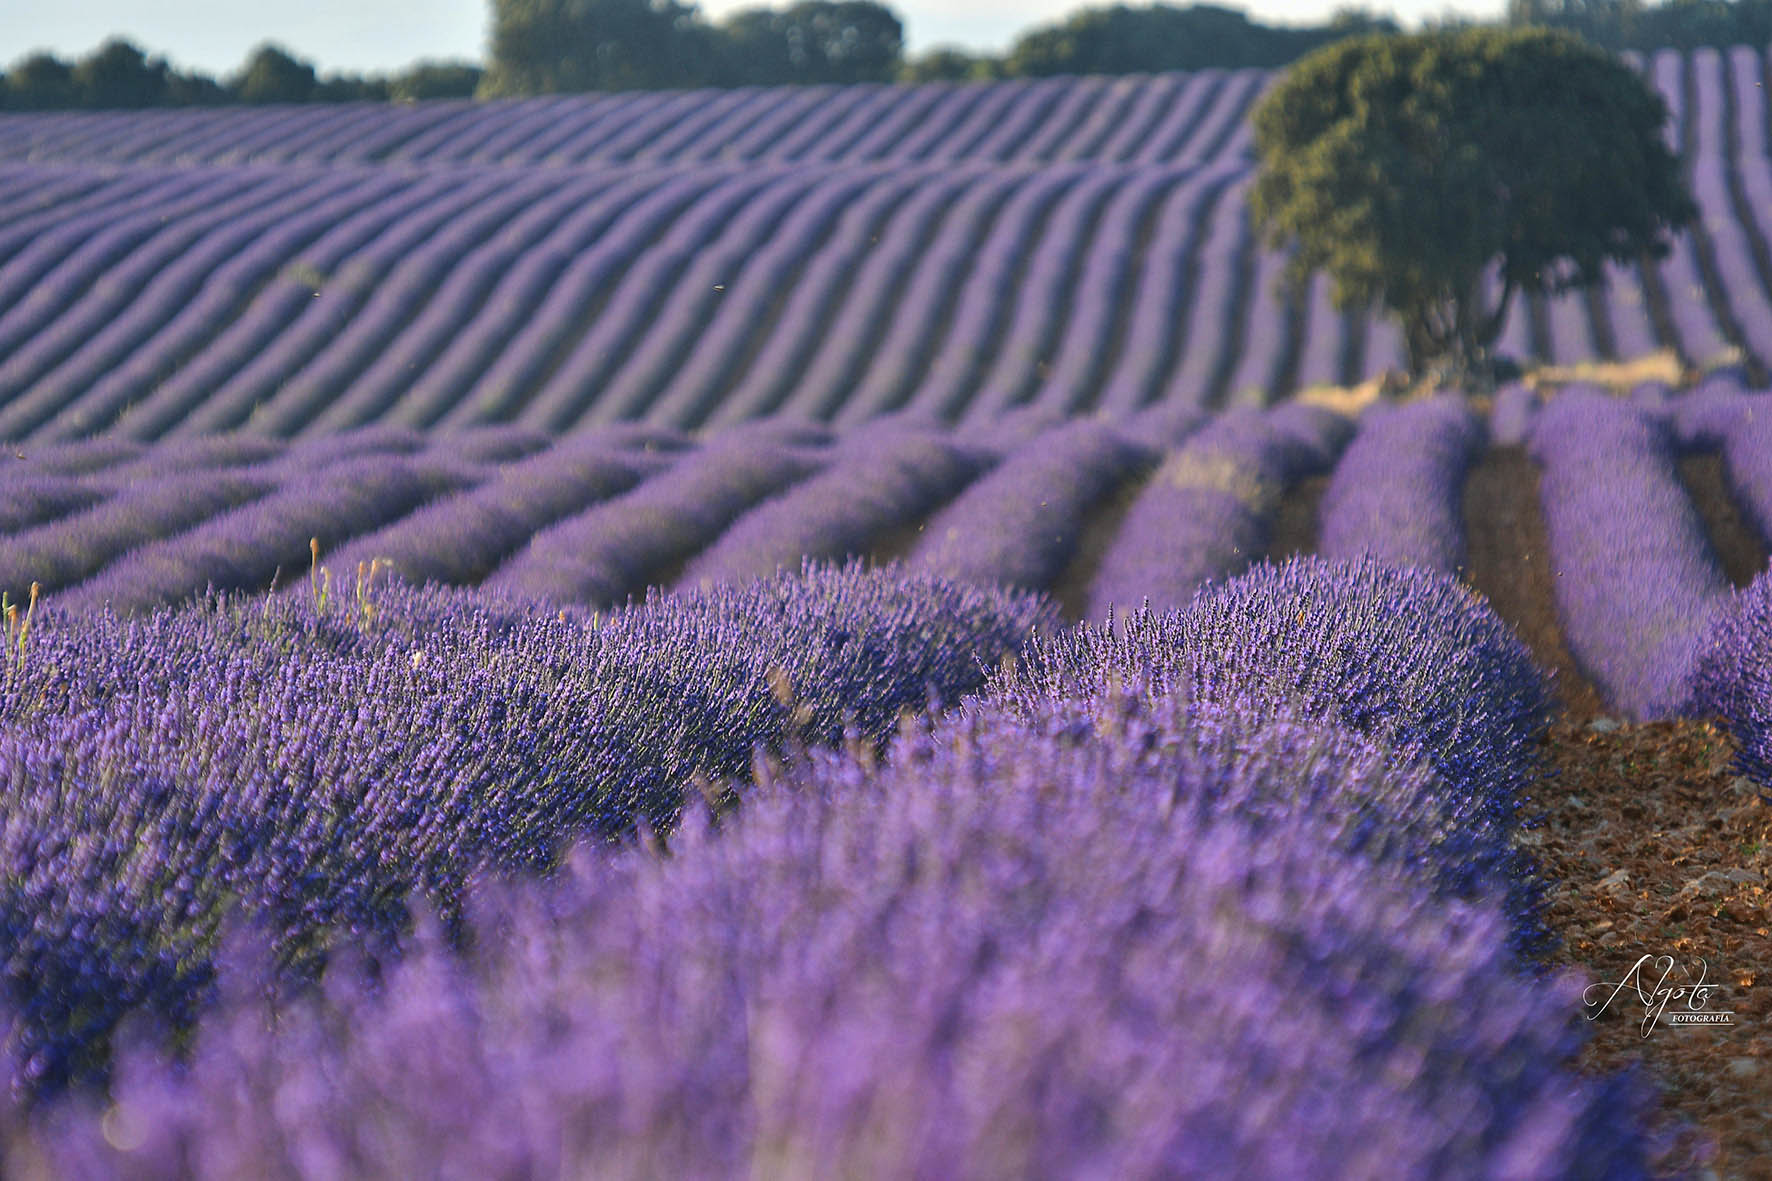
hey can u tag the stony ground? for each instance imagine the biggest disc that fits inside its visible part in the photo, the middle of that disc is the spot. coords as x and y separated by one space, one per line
1654 847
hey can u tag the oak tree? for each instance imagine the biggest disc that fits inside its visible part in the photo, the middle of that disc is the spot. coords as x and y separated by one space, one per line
1444 173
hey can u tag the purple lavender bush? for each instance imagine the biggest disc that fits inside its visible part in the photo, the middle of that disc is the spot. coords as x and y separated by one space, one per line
1317 436
1016 948
1731 678
251 546
887 475
1637 579
1702 418
1747 462
608 552
309 766
1020 524
1398 491
461 539
1512 413
1204 514
28 501
1411 658
64 552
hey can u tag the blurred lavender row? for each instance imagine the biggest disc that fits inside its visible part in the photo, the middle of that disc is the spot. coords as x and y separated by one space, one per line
1398 491
880 478
1132 930
1731 678
1020 524
1206 513
1637 577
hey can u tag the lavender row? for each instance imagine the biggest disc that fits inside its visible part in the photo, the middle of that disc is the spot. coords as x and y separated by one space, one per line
1637 577
964 960
1014 121
1731 678
307 766
605 554
1398 491
1020 524
881 479
28 501
1206 512
69 550
254 546
460 540
1407 658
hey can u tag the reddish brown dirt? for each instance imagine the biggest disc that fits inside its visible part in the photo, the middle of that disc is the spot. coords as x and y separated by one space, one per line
1508 559
1295 523
1651 845
1654 848
1737 545
1071 591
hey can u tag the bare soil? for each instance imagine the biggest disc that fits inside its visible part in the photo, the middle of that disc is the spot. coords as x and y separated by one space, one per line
1652 845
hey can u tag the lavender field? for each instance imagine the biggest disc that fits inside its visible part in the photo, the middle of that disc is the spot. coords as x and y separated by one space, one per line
696 259
848 940
804 633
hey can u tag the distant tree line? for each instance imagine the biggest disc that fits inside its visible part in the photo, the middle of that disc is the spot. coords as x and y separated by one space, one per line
118 75
555 46
542 46
1633 24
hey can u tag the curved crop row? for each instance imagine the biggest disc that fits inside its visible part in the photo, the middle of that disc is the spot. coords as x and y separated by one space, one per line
1019 524
1397 492
880 480
250 547
1637 577
461 539
609 552
1022 121
980 248
1206 512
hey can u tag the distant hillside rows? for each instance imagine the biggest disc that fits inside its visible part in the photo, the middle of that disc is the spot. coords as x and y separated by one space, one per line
696 259
1097 514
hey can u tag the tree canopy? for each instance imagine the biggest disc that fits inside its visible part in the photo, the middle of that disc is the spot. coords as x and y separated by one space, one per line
119 76
1634 24
1120 39
1423 170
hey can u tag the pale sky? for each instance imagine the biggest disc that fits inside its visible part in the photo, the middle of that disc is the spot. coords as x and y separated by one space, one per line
370 36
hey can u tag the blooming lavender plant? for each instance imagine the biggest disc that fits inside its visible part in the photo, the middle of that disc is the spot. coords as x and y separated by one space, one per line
1204 514
1703 417
1637 578
1731 678
1511 416
28 501
310 766
250 546
461 539
64 552
1408 657
1015 948
1399 488
1019 525
885 476
608 552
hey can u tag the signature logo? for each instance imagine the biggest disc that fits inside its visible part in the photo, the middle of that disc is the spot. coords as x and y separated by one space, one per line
1652 980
